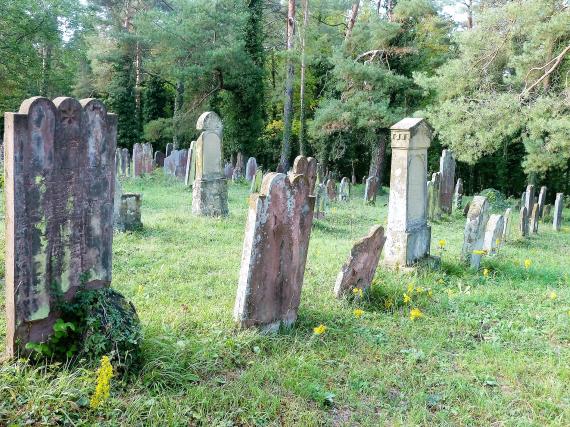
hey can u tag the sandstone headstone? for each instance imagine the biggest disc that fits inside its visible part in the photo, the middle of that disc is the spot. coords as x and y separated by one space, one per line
125 162
507 225
458 195
408 234
210 190
275 250
312 173
523 222
494 233
148 161
344 190
541 201
434 200
256 181
169 149
331 190
534 218
159 159
250 169
558 206
175 164
370 190
129 218
138 160
190 174
360 267
59 190
447 175
474 233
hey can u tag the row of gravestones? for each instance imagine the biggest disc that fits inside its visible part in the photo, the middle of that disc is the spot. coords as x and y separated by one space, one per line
50 249
443 197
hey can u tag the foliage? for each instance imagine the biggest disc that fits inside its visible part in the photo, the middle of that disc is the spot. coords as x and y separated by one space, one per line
159 132
497 200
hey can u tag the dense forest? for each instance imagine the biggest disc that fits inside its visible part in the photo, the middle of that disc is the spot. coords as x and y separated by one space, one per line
325 78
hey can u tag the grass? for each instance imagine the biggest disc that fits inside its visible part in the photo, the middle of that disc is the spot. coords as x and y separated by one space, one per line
488 351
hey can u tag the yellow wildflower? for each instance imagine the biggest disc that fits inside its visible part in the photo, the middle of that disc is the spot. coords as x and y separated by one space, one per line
407 299
442 243
485 272
319 330
498 242
358 313
527 263
103 388
357 292
479 252
419 290
416 313
552 295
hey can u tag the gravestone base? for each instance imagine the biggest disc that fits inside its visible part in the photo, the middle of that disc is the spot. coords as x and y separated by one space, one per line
129 218
429 262
210 197
407 248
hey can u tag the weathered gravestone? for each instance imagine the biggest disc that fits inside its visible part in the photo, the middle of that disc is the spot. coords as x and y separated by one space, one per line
312 173
474 233
447 175
125 162
458 195
228 170
433 197
256 182
547 213
507 225
159 159
408 234
129 212
321 202
169 149
534 218
358 270
138 160
466 209
238 169
331 190
275 250
541 200
117 161
250 169
523 222
59 209
558 206
370 190
148 161
494 233
344 190
190 174
529 200
210 190
175 164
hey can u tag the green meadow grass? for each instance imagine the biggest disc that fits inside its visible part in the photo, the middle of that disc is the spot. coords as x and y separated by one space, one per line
488 351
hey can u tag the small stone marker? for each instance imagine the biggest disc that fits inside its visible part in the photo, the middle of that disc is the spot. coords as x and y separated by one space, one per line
447 176
507 225
175 164
558 206
59 190
250 169
275 250
228 170
473 237
458 195
360 267
169 149
344 190
541 201
534 218
129 216
434 199
190 174
159 159
321 202
256 181
370 190
210 189
523 222
494 233
408 234
125 162
331 190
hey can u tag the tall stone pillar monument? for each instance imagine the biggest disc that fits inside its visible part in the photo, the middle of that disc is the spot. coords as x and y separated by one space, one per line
408 236
210 190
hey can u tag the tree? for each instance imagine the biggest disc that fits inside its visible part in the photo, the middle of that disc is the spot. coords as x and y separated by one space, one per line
288 104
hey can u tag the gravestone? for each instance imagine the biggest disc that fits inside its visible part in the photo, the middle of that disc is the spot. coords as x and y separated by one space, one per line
558 206
494 233
507 225
434 200
360 267
529 201
175 164
458 195
125 162
547 213
228 170
256 181
238 169
344 190
370 190
331 190
138 160
190 174
275 249
541 201
408 234
250 169
148 161
129 213
210 189
117 161
169 149
523 222
312 173
159 159
59 190
321 202
534 218
447 180
474 233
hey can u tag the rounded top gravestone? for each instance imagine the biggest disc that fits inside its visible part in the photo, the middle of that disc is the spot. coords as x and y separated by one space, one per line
209 121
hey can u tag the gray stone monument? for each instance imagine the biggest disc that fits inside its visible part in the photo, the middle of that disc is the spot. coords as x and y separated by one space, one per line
370 190
434 199
474 234
190 174
321 202
159 159
458 195
529 201
534 218
541 201
344 190
558 206
507 225
494 233
169 149
408 234
250 169
523 222
125 162
447 175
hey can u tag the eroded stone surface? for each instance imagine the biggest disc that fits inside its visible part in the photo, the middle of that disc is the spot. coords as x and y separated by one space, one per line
434 199
494 233
239 167
59 188
175 164
148 160
558 206
250 169
523 222
159 159
125 162
169 149
447 175
344 190
312 173
360 267
534 218
275 250
331 190
458 195
129 218
370 190
228 170
528 202
474 233
321 201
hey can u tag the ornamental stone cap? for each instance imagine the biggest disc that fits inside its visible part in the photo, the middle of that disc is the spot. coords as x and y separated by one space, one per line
411 133
407 124
209 121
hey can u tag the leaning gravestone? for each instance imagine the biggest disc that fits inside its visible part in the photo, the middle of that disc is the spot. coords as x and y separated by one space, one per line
541 200
358 271
558 206
473 237
331 190
275 250
534 218
59 189
370 190
175 164
523 222
458 195
250 169
210 190
408 234
447 175
190 174
344 190
434 199
159 159
125 162
493 233
507 225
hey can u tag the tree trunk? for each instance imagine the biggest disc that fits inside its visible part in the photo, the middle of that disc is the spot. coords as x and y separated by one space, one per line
46 70
352 20
469 5
178 101
378 160
303 69
288 104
